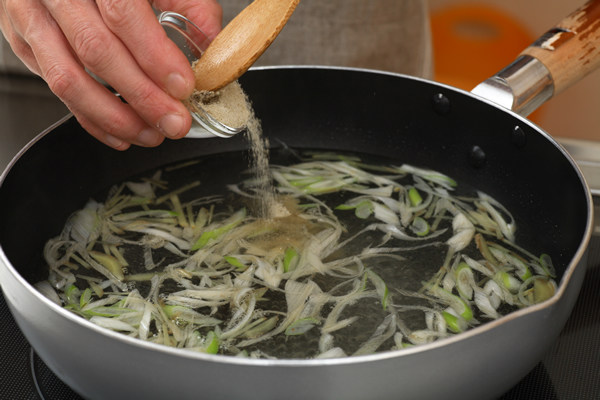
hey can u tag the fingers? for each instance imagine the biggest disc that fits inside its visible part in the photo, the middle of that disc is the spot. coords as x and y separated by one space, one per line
93 105
147 138
104 54
120 41
134 23
207 14
18 45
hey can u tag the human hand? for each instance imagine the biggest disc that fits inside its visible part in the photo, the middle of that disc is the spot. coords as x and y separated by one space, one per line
120 41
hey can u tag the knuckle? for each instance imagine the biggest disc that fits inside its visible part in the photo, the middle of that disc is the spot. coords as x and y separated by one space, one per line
63 82
117 124
11 7
145 96
118 12
19 46
91 45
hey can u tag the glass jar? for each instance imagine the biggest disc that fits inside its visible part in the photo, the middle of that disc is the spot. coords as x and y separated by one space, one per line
193 42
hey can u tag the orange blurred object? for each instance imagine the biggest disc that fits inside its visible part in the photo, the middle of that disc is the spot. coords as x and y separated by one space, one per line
471 42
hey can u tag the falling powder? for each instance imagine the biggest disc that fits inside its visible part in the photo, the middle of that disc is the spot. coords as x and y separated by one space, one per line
231 107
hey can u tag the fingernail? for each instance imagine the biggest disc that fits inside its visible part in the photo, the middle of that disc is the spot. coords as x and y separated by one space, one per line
171 124
177 86
149 137
113 141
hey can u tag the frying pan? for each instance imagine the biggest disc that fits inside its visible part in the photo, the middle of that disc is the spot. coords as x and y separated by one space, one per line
379 114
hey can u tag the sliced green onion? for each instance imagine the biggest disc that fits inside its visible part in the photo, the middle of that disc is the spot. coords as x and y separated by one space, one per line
482 301
110 263
380 287
547 265
543 289
177 191
235 261
364 209
465 280
484 249
420 227
261 328
508 229
228 224
85 297
463 232
327 185
290 259
536 290
211 343
306 180
508 281
113 324
107 312
455 323
301 326
144 213
458 304
505 257
430 175
235 268
414 196
72 295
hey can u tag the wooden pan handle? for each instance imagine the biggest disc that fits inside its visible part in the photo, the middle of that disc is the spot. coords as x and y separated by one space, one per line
561 57
572 49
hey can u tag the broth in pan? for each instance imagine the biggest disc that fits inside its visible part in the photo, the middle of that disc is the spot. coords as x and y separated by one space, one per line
356 257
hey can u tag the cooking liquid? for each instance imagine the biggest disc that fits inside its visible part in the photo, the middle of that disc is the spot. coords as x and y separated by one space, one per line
419 265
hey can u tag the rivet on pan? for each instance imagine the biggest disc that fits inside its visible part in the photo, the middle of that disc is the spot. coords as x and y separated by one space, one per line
476 157
518 137
441 104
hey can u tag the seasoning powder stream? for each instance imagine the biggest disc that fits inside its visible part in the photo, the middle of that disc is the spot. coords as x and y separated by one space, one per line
232 107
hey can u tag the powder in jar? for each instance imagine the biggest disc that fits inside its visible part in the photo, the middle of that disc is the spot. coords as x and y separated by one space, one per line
229 105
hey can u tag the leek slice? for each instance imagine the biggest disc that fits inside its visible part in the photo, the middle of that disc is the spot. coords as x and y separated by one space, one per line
536 290
85 297
290 259
547 265
458 304
380 287
261 328
465 280
482 301
301 326
455 323
414 196
110 263
505 257
72 295
237 262
508 281
420 227
430 175
227 225
205 344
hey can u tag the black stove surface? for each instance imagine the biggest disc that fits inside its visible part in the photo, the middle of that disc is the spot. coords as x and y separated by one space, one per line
570 370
